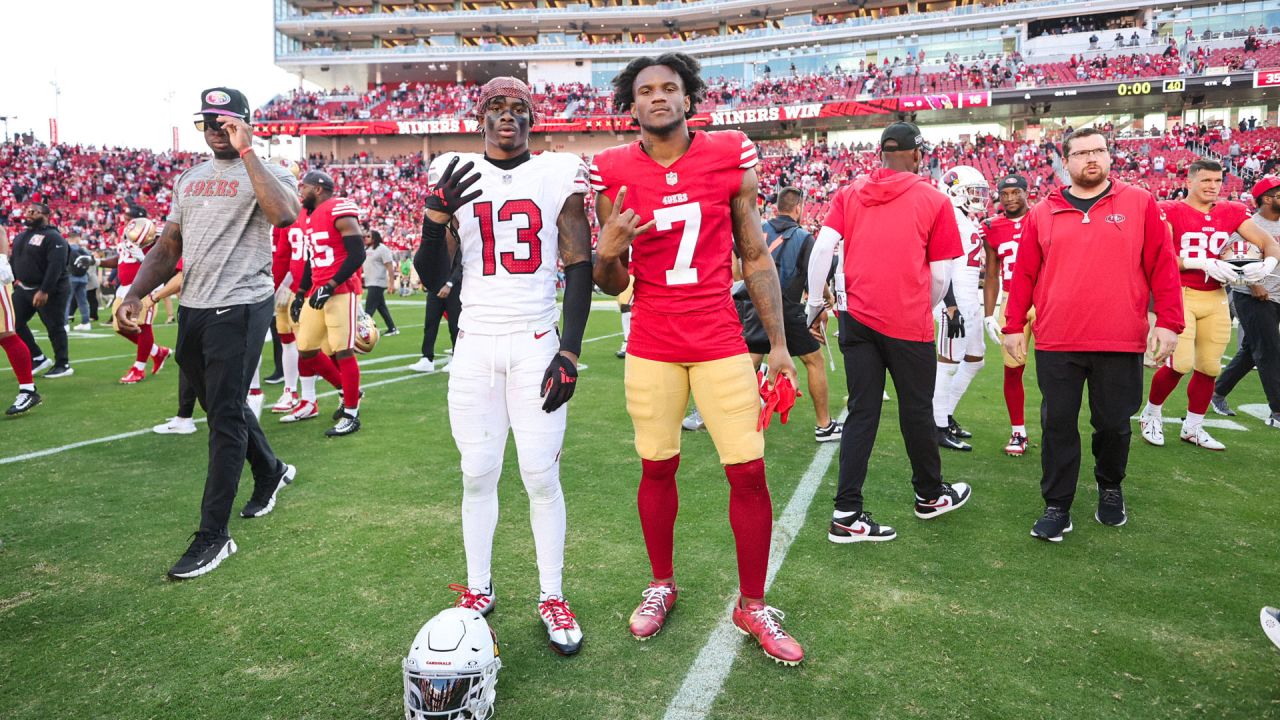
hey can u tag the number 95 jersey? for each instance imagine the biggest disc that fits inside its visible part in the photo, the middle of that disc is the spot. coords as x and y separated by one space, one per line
682 311
509 240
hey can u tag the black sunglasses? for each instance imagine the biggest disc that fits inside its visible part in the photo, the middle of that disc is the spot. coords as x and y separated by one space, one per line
210 121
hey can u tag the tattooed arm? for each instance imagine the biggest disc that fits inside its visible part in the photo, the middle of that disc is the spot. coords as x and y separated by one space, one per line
760 274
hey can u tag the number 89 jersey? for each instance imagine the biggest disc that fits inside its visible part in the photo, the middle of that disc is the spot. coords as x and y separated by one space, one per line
509 240
681 310
1202 235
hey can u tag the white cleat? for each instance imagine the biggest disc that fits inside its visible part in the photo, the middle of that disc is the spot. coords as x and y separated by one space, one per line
1152 429
693 422
304 410
424 366
1201 437
288 400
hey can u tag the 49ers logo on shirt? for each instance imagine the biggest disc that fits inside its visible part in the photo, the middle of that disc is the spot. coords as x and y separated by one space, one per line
211 188
1115 218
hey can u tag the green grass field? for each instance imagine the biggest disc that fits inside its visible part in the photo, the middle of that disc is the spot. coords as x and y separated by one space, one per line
963 617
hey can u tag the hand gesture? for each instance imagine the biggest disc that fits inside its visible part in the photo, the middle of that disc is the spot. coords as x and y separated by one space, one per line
450 192
238 132
620 228
127 315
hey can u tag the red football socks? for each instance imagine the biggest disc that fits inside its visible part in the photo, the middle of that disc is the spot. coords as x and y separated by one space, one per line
1015 396
751 517
19 358
1199 392
349 369
1162 385
322 365
144 339
658 501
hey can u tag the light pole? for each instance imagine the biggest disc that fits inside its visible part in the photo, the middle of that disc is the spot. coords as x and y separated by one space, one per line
57 91
5 119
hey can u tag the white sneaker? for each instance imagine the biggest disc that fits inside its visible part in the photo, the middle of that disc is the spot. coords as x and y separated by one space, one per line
424 365
255 401
41 366
563 632
82 327
288 399
693 422
1152 429
176 426
304 410
1199 436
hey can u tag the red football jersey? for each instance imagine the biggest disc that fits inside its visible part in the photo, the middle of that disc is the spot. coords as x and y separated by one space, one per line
289 253
129 256
1202 235
1003 236
325 250
682 310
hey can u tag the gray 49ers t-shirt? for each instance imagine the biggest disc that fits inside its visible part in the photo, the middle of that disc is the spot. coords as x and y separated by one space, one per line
226 237
375 266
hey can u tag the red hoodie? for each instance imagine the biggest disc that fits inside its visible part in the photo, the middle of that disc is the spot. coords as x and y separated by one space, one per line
893 224
1089 276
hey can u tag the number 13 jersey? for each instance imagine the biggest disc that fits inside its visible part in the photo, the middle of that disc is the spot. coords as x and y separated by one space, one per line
682 310
509 240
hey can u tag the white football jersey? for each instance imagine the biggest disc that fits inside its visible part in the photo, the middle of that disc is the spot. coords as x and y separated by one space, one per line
509 241
966 270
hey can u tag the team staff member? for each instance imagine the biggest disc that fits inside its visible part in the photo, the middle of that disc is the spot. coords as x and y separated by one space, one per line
1090 257
379 272
899 235
443 302
42 285
220 227
1258 308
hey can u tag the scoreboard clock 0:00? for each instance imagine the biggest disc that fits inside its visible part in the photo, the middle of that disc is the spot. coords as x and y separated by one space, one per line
1135 88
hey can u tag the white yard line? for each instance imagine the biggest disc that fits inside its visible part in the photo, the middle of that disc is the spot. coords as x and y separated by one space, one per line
704 680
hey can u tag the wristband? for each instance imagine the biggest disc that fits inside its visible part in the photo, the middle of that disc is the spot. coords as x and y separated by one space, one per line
246 151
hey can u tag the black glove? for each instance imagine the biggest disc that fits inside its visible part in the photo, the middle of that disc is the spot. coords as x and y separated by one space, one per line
450 192
295 307
321 295
83 262
558 382
955 326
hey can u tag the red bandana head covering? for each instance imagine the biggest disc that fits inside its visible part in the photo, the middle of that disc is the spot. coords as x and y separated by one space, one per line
505 87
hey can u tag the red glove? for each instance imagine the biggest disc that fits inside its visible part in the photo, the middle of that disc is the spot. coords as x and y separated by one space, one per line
779 397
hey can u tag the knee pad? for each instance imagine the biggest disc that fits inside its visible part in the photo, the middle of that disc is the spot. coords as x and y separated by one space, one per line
542 484
480 485
977 364
481 461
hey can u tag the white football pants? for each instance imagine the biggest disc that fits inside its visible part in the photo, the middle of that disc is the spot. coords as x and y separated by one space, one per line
494 384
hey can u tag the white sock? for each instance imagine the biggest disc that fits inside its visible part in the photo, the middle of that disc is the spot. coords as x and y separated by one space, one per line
626 325
308 387
289 355
140 365
256 383
1152 410
479 520
1020 430
942 392
28 387
155 349
547 516
842 515
1193 420
965 375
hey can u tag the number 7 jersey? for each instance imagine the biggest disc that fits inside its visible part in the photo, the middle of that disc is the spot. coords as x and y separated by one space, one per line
681 310
509 240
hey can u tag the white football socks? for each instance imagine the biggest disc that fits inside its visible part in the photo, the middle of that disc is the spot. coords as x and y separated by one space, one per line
307 387
942 392
960 383
479 520
289 356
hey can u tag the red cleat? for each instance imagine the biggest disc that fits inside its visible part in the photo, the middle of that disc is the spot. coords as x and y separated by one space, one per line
158 360
648 619
761 622
133 377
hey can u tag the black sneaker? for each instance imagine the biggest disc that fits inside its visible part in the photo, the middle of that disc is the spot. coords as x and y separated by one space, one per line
26 400
40 365
830 433
1052 525
1220 406
206 552
1111 507
859 527
948 440
956 430
392 331
60 370
274 378
952 497
264 499
347 424
337 414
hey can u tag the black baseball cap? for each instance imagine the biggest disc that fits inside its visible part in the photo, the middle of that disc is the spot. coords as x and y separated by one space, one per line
1012 181
224 101
901 136
319 178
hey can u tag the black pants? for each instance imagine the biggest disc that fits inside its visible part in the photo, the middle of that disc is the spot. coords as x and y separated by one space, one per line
53 314
186 397
93 304
436 308
1115 392
867 355
218 351
1259 347
376 300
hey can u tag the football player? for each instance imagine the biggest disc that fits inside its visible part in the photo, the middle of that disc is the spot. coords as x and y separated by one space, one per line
1202 225
327 301
14 348
287 259
1003 233
961 345
136 240
680 202
515 216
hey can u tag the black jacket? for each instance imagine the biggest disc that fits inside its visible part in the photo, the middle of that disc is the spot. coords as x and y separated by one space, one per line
40 259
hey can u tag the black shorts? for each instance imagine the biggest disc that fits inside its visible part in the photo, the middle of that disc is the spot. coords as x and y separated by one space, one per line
799 341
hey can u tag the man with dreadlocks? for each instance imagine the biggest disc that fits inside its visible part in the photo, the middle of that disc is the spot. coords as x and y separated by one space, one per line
681 202
514 215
